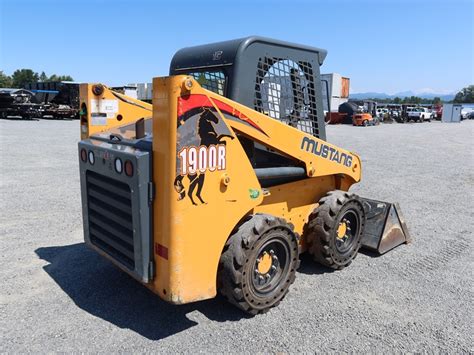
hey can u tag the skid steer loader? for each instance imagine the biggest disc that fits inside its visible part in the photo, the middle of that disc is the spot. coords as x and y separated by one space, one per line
226 178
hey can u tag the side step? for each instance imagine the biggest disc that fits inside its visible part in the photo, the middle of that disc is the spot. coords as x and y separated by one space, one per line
385 227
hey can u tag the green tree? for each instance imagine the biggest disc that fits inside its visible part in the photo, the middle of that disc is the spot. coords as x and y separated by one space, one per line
5 80
466 95
436 101
397 100
66 78
55 77
412 100
21 77
43 77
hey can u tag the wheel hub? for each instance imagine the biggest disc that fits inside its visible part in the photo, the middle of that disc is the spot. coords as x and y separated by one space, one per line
341 230
267 266
264 263
346 231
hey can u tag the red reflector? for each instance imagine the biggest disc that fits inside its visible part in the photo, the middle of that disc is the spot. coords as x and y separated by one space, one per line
161 251
128 168
83 155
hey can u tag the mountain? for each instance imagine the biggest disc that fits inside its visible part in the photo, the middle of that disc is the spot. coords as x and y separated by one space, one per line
382 95
370 95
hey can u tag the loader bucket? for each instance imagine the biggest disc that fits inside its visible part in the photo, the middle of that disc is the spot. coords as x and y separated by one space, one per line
385 226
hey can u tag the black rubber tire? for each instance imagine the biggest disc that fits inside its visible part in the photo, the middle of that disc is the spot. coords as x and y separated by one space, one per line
321 229
365 123
237 263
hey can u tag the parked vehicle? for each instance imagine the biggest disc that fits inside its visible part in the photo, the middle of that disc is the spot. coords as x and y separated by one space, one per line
59 100
411 114
438 111
465 112
346 113
360 113
18 103
364 119
381 112
419 114
426 114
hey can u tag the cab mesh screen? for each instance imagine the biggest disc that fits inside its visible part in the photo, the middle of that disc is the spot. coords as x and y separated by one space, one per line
211 80
285 91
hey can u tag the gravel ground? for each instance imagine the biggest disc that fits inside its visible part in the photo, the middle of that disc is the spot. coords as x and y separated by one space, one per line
56 295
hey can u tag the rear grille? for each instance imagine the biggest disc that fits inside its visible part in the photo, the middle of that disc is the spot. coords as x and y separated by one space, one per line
110 217
285 91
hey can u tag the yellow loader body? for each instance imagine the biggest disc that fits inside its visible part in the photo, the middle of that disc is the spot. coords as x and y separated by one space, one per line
198 193
195 235
188 239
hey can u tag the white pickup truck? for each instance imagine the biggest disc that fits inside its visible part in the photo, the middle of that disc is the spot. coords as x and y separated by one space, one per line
419 114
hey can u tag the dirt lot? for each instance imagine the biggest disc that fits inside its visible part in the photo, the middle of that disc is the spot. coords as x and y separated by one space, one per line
56 295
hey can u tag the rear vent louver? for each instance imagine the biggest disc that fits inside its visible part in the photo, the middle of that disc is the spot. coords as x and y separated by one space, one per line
110 217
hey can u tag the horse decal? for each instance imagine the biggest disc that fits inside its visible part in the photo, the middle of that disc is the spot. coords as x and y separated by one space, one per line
208 154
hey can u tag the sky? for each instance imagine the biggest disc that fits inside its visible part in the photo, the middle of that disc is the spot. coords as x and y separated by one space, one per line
382 46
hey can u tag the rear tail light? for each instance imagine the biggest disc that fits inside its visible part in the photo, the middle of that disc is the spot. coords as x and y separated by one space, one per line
83 155
118 165
91 157
128 168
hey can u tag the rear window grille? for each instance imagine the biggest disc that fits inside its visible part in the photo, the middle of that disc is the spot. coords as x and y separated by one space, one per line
285 91
211 80
110 217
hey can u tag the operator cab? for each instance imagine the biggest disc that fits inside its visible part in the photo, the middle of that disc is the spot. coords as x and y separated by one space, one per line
276 78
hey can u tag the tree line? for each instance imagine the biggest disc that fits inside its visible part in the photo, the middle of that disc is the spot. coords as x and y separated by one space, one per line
21 77
409 100
464 96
